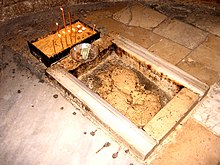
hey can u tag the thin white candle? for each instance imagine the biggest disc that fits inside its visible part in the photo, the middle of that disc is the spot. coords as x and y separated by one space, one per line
70 34
83 28
94 26
58 28
64 19
74 30
59 35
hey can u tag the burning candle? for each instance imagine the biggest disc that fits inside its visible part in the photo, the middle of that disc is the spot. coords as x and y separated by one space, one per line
74 33
70 34
58 28
63 15
54 46
59 35
83 28
78 26
94 26
79 31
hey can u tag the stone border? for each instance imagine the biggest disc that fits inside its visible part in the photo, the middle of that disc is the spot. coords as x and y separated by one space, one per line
141 143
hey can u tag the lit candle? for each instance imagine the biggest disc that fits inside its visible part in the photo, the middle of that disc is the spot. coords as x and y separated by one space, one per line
54 46
78 26
74 33
58 28
59 35
79 31
83 28
70 34
63 15
94 26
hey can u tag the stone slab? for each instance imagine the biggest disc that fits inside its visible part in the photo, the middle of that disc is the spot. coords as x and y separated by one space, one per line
193 144
212 42
207 57
199 71
169 116
141 36
206 21
181 33
207 112
146 38
140 16
203 62
37 128
169 50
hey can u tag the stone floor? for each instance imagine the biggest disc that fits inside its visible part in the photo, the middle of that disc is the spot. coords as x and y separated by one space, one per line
37 127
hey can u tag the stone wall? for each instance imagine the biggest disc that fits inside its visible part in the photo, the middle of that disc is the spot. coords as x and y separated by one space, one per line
14 8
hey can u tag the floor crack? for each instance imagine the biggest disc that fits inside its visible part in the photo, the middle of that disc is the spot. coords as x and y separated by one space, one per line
131 15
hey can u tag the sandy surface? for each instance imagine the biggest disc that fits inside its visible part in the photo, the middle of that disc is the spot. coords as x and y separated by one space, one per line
62 39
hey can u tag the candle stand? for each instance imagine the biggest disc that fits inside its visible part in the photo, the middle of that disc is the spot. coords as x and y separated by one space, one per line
57 45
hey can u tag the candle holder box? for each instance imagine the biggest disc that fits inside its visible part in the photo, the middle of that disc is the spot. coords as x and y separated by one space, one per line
41 56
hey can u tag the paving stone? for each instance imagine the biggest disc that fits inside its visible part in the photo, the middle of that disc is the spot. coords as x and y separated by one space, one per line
203 62
145 38
123 16
44 131
141 36
140 16
199 71
213 42
181 33
164 121
207 22
206 56
169 50
207 111
192 145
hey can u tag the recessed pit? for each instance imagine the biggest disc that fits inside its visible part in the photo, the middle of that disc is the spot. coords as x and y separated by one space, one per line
137 96
127 86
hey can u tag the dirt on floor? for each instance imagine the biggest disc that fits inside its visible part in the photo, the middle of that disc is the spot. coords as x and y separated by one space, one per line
125 89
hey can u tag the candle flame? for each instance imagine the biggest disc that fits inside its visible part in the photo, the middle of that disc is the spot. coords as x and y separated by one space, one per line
68 31
94 26
61 8
59 35
57 24
63 32
73 29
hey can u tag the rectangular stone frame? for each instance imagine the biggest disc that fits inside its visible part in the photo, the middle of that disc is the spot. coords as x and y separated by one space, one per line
140 142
